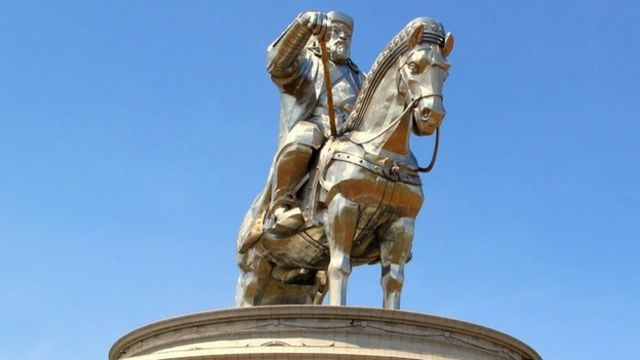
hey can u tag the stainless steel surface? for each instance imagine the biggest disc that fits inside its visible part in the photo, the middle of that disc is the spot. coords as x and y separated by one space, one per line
331 203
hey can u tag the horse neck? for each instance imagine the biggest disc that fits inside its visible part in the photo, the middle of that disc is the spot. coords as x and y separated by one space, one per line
383 130
398 140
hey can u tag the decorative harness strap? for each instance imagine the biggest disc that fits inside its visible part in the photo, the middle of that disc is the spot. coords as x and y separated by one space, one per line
385 167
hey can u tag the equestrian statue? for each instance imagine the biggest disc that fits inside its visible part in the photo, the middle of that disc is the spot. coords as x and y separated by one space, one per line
344 187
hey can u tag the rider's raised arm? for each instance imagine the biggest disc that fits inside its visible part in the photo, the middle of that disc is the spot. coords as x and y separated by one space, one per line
286 54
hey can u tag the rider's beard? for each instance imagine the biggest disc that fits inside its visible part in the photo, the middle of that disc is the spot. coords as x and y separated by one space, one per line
339 52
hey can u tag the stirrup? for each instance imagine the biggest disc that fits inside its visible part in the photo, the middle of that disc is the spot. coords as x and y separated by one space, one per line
283 198
288 222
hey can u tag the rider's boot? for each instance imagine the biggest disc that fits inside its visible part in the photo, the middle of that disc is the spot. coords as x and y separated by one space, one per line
291 167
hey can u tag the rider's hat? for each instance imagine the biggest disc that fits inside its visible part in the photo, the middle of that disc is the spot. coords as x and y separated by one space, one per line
340 17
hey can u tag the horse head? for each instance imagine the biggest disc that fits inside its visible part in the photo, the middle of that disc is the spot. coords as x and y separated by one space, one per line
422 72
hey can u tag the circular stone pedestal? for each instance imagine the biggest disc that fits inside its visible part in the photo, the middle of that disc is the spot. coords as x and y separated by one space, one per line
316 332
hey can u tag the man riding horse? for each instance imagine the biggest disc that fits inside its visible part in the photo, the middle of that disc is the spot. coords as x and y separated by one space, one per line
298 72
296 62
355 201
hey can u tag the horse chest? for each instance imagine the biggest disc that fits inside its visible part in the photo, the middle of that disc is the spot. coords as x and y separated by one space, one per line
370 190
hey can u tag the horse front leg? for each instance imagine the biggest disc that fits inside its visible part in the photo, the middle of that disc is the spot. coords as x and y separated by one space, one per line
340 227
255 271
395 247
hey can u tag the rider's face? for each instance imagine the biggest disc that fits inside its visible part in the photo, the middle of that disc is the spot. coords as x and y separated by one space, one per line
339 42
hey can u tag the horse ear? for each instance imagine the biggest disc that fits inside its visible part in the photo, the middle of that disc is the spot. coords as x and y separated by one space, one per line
415 38
448 44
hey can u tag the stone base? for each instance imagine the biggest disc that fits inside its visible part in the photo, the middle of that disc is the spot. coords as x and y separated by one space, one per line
316 332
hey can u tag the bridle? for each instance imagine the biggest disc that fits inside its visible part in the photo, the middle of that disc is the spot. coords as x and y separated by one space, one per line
409 107
412 104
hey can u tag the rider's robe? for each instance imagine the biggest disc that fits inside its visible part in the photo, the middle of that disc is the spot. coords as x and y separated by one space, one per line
301 92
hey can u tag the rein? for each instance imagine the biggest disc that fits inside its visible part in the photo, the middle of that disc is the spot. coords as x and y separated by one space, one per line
436 145
410 107
395 121
434 156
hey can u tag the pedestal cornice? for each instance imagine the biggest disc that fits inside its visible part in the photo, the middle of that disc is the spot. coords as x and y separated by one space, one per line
320 332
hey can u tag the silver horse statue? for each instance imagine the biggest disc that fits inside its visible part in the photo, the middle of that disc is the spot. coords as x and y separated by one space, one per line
365 191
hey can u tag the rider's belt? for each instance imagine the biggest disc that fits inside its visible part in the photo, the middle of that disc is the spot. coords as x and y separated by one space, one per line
388 169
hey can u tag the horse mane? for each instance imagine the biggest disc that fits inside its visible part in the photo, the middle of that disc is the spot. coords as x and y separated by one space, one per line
387 58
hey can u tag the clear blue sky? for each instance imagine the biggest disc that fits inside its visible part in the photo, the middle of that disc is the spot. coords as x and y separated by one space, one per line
134 134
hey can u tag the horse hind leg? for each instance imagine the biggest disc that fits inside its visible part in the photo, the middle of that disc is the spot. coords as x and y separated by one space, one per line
255 271
340 228
395 247
320 287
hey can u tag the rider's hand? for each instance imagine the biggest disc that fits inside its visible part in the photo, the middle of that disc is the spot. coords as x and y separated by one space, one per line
316 21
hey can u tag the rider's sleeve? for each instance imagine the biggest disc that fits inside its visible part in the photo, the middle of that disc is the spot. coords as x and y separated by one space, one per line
286 56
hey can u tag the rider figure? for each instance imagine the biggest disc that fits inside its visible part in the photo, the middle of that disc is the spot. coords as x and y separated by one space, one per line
295 65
